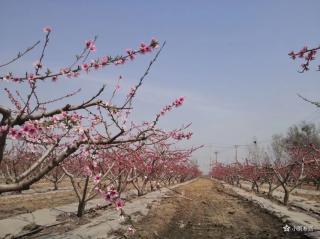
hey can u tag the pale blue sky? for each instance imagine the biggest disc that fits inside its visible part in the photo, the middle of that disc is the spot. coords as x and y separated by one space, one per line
228 58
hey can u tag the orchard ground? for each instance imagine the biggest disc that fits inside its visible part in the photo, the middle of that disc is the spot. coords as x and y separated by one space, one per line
201 208
209 211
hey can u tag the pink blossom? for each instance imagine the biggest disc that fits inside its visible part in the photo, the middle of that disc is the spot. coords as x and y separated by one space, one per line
179 101
119 204
57 118
54 78
37 64
131 54
15 133
32 131
96 65
65 71
144 48
132 92
47 29
120 61
111 194
74 117
31 77
302 52
85 67
90 44
97 178
64 114
131 230
104 61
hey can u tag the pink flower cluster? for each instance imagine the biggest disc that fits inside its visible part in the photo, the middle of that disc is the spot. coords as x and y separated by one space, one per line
178 102
59 117
132 91
90 44
111 195
180 135
144 48
94 64
73 118
131 53
307 54
27 130
97 64
68 73
119 204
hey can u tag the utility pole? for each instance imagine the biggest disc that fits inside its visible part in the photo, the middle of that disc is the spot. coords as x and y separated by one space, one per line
216 153
236 152
256 151
210 152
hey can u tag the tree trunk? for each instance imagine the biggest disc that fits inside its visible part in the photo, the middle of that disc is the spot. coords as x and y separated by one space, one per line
238 183
119 184
270 189
257 188
82 202
286 197
55 186
81 207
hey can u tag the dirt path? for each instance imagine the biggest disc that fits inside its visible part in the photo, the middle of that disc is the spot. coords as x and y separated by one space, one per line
210 212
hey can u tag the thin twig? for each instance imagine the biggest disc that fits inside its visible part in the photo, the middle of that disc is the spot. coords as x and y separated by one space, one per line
21 54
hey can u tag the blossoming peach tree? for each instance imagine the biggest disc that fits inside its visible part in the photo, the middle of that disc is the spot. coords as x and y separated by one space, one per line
93 142
64 130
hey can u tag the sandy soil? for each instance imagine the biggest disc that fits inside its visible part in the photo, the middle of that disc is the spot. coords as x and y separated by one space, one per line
31 200
17 204
207 210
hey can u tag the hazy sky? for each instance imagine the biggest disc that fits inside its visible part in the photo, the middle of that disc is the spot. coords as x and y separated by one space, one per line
228 58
